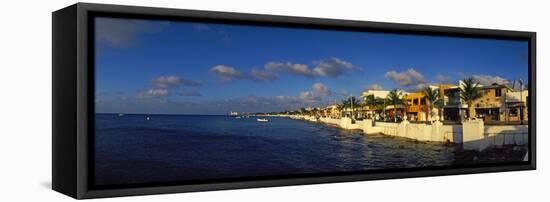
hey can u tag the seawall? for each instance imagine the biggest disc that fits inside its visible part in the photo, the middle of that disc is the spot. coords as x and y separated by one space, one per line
473 135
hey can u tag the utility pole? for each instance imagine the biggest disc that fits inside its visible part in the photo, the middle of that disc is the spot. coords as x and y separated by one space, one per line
521 101
351 103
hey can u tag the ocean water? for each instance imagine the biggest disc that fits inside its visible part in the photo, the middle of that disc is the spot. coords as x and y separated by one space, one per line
131 149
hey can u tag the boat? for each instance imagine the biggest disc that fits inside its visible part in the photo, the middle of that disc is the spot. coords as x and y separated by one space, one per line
148 118
237 117
262 120
120 114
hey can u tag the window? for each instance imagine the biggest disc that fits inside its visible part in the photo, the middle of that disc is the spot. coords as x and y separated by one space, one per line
498 92
513 112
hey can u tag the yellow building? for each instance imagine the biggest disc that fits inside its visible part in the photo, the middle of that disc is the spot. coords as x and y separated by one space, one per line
491 106
330 111
415 106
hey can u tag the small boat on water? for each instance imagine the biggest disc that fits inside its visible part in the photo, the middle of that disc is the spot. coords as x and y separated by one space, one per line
237 117
148 118
120 114
262 120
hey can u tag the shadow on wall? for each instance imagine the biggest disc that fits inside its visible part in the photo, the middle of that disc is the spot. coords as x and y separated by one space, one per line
479 137
507 135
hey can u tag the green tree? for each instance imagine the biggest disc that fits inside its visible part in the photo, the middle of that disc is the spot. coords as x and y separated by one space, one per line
469 92
395 98
348 103
432 97
370 101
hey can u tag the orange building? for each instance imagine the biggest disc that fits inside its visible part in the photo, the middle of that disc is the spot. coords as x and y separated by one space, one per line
415 106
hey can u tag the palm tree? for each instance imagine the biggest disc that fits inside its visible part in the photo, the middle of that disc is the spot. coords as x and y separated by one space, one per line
348 103
470 92
370 101
432 96
395 98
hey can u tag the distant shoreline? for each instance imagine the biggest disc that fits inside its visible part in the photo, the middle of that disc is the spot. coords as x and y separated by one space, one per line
163 114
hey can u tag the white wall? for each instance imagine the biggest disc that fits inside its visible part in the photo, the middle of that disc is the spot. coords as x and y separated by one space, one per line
25 106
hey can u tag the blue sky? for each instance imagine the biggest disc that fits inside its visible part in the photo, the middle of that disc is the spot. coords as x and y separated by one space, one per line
149 66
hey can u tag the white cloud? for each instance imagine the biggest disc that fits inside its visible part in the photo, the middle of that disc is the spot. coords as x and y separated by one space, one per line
410 79
315 96
166 82
488 80
318 92
307 96
320 89
152 93
263 75
442 78
162 86
374 87
297 69
332 67
227 73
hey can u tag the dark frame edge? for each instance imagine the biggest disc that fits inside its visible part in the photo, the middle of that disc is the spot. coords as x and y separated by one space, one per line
532 86
64 134
297 181
80 165
298 21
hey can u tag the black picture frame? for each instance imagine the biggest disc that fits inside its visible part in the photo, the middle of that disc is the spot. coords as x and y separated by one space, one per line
73 95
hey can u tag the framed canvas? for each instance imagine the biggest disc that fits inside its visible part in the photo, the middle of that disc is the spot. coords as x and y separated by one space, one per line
156 100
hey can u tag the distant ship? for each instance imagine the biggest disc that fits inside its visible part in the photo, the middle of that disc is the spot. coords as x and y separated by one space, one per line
120 114
234 113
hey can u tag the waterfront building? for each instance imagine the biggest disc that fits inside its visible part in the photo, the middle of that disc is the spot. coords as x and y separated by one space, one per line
454 108
330 111
415 106
376 93
516 105
492 104
442 96
374 106
374 103
498 103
